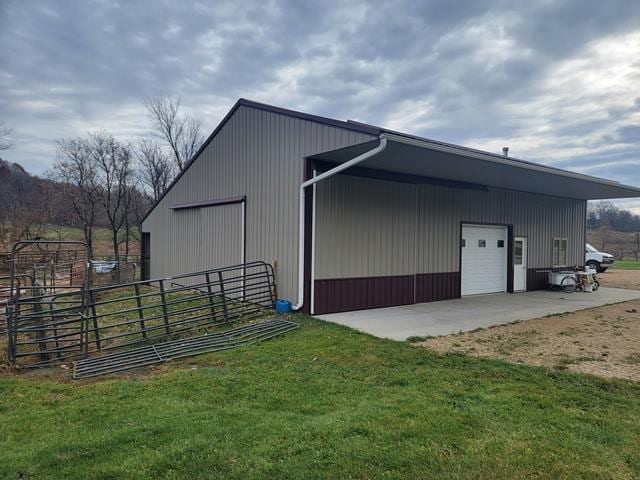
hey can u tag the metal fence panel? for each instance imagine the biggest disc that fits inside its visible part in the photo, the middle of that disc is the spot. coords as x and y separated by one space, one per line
46 327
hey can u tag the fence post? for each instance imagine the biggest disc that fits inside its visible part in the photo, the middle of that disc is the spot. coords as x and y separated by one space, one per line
163 299
84 333
136 287
271 279
53 317
224 298
39 320
8 315
96 331
211 302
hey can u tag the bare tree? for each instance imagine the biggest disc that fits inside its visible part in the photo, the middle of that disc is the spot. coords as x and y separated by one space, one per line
5 132
114 177
127 226
75 170
604 239
155 170
21 218
181 133
139 204
603 208
191 139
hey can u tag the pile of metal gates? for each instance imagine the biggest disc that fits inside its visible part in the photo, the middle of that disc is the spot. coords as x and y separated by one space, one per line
108 329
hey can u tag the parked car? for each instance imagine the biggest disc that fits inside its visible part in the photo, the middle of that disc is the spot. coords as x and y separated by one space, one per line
600 261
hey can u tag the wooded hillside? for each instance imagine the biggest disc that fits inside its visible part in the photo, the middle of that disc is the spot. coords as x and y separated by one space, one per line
613 230
32 207
97 180
28 204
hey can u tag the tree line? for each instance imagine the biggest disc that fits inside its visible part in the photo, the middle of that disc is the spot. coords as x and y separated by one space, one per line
613 229
27 204
605 214
98 180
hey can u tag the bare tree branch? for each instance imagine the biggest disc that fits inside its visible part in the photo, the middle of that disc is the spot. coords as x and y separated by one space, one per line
191 138
114 178
181 133
138 205
155 170
75 169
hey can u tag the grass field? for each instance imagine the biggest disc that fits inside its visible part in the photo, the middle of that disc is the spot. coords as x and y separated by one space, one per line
101 238
100 234
323 402
627 265
73 233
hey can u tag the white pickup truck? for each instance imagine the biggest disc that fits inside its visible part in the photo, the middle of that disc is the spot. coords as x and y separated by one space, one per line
598 260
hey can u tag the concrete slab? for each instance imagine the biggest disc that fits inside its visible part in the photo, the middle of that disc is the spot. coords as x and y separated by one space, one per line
469 313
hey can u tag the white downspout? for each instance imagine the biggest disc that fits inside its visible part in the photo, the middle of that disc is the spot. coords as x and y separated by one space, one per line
329 173
243 244
312 253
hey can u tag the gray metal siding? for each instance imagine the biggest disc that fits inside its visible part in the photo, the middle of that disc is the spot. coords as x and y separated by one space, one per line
199 239
538 217
364 228
367 227
259 154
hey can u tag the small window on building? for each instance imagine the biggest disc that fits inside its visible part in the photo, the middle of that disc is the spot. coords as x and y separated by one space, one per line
500 243
482 243
559 252
464 243
517 252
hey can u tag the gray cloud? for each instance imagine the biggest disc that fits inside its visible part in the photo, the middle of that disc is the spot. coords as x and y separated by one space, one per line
553 80
629 134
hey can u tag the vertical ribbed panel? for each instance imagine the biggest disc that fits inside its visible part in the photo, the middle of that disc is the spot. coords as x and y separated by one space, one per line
259 154
364 228
369 227
538 217
199 239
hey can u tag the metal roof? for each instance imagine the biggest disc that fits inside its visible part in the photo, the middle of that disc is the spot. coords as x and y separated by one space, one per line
447 152
420 157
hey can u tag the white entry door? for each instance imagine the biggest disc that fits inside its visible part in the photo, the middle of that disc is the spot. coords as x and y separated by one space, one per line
519 264
484 259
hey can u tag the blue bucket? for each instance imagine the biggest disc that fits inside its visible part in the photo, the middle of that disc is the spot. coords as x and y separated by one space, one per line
283 306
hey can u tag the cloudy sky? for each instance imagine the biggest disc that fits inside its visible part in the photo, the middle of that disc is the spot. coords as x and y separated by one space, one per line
557 81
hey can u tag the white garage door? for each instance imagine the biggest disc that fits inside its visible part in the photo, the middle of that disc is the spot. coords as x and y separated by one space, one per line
484 259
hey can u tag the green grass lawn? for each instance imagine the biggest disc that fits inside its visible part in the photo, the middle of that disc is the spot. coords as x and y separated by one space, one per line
100 234
73 233
323 402
627 265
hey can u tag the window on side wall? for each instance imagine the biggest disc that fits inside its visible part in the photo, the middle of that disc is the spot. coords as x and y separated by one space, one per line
560 252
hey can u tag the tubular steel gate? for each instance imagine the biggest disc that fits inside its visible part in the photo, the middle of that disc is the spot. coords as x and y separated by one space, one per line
134 323
19 283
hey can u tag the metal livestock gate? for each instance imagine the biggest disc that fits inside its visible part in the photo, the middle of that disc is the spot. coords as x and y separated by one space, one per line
107 329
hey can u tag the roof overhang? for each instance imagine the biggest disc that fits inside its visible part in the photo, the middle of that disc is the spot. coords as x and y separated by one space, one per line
437 160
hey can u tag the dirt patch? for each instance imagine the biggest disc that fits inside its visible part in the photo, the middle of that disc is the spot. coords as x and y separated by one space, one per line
620 278
603 341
